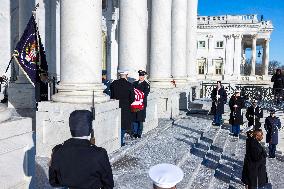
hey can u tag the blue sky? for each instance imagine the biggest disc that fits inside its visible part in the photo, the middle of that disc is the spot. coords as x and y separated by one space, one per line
271 10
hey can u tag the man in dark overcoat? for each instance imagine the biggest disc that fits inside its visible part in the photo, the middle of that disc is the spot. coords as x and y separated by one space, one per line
236 104
219 99
271 125
253 115
138 117
254 173
78 163
278 85
123 91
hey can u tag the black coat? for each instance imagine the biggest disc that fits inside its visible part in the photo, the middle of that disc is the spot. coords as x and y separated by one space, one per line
236 116
218 103
253 116
79 164
123 91
145 88
278 80
254 169
271 125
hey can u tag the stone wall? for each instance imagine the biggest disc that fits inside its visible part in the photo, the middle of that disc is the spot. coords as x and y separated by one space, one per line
17 153
52 124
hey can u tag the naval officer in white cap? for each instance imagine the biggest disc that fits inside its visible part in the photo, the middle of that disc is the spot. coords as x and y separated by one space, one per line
165 176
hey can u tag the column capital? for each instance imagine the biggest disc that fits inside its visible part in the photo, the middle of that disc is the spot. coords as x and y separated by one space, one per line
209 36
238 36
267 40
227 36
254 36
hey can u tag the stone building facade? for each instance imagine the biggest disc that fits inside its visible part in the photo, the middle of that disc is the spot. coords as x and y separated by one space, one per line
222 42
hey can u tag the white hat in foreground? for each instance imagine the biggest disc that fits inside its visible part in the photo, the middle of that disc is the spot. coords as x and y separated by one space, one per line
165 175
122 72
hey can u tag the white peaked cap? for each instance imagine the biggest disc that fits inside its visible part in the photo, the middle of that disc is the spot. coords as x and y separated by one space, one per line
165 175
122 71
237 91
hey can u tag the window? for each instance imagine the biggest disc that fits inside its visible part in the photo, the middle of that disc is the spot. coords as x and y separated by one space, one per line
201 44
201 66
218 66
104 4
219 44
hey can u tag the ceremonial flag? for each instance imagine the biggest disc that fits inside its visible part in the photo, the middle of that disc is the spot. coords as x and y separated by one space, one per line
29 53
138 104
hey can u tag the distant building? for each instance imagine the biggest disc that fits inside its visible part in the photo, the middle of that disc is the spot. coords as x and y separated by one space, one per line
222 42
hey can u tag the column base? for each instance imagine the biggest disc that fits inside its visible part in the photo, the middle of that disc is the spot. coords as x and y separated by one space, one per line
53 125
180 81
164 83
80 93
5 114
21 96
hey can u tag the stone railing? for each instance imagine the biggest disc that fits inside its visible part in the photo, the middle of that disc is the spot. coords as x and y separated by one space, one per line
262 92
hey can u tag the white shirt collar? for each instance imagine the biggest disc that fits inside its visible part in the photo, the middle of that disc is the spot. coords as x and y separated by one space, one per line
83 137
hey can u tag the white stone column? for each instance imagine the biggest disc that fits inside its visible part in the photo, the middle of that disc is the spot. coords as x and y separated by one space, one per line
253 55
132 45
81 52
191 39
237 54
5 36
179 12
160 53
229 55
210 64
265 55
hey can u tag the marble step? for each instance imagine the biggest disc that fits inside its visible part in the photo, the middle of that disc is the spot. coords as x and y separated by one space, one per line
170 146
210 161
236 174
222 175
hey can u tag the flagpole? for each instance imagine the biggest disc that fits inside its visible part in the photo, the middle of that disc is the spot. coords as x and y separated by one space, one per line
37 33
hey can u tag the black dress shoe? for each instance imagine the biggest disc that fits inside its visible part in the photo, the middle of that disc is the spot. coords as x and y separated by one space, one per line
139 136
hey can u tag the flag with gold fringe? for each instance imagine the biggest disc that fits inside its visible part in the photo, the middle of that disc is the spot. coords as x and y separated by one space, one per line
29 53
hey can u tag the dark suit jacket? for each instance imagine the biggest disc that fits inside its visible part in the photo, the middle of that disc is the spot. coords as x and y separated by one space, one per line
123 91
79 164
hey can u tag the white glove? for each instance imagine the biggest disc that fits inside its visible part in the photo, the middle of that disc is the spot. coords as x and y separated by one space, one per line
235 106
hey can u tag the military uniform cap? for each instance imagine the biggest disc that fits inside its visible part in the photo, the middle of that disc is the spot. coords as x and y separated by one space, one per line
272 110
166 175
142 73
122 71
238 91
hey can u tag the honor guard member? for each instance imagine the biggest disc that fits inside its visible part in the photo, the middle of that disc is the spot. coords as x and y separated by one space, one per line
271 125
253 115
219 99
123 90
236 104
77 163
278 85
139 116
165 176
